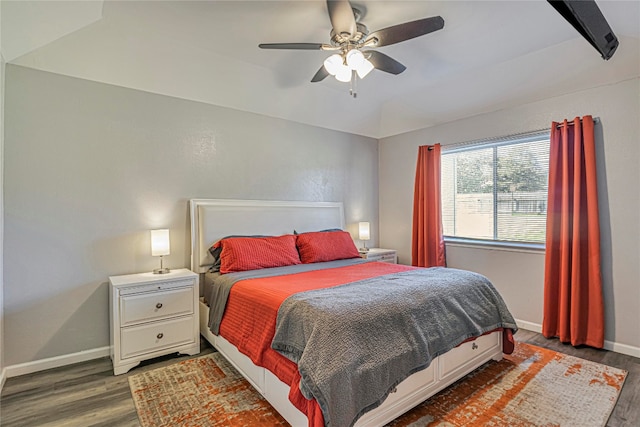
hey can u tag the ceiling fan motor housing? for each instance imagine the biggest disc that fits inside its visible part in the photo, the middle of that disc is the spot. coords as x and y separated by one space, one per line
341 39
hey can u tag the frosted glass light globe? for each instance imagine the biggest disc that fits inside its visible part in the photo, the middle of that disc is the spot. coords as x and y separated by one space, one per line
344 74
333 64
355 58
364 68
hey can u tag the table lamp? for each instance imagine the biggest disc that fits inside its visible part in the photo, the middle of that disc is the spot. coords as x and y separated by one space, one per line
160 246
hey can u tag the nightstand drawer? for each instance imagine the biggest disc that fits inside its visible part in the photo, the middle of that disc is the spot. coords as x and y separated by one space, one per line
380 255
157 305
156 286
386 258
151 337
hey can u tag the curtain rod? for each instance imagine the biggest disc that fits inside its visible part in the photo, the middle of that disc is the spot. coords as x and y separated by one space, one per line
462 145
596 120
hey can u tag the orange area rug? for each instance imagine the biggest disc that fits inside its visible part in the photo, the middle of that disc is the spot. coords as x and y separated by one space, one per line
531 387
206 391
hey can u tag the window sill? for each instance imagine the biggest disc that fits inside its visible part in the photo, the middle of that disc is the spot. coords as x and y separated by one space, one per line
536 248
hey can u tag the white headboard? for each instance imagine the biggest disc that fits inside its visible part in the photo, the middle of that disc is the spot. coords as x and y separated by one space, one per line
212 219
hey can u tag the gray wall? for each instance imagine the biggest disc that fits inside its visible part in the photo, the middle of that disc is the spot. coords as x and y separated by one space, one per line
90 168
519 275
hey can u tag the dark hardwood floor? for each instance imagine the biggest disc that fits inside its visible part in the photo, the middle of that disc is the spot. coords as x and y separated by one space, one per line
84 394
88 394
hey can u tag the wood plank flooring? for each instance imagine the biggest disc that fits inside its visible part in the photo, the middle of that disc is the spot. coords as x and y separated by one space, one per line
88 394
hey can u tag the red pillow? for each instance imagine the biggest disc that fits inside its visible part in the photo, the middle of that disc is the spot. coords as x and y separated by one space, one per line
324 246
252 253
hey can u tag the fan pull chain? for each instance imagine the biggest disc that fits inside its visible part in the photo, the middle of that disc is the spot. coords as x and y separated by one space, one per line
354 84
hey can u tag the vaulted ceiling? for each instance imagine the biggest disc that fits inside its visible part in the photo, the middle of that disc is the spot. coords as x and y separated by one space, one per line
489 56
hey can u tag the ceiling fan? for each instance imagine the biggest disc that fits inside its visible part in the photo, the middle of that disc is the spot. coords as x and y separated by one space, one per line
352 42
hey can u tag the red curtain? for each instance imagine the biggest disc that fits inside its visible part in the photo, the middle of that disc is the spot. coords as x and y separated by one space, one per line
573 307
428 244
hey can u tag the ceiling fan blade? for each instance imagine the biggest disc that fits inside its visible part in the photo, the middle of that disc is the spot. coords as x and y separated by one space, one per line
320 75
383 62
300 46
342 18
401 32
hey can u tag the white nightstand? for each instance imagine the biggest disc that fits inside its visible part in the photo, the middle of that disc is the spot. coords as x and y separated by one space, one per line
378 254
152 315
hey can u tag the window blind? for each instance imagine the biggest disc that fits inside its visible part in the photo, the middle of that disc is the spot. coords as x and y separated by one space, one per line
497 189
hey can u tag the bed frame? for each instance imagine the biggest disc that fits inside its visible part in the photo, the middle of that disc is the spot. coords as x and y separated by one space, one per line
212 219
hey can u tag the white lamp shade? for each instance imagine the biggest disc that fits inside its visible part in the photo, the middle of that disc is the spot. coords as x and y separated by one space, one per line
333 63
344 74
363 231
364 68
355 58
160 244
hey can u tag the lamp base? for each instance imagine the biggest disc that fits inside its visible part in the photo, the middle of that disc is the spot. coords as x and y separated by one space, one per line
365 249
161 271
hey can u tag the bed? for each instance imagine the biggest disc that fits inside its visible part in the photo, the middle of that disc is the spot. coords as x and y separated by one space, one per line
284 376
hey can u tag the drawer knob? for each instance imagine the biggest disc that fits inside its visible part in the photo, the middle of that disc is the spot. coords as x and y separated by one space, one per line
160 335
474 346
159 305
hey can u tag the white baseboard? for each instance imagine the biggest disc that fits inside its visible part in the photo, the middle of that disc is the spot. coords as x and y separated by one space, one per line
529 326
629 350
55 362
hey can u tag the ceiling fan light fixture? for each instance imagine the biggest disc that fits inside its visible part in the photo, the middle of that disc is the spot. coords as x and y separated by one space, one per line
333 64
364 68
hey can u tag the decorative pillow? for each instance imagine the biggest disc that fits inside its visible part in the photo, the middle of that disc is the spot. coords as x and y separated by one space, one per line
321 246
216 249
253 253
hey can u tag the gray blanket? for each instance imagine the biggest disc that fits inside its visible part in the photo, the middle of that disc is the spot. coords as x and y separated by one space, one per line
354 343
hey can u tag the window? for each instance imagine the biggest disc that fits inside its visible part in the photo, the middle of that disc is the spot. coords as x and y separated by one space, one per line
497 190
